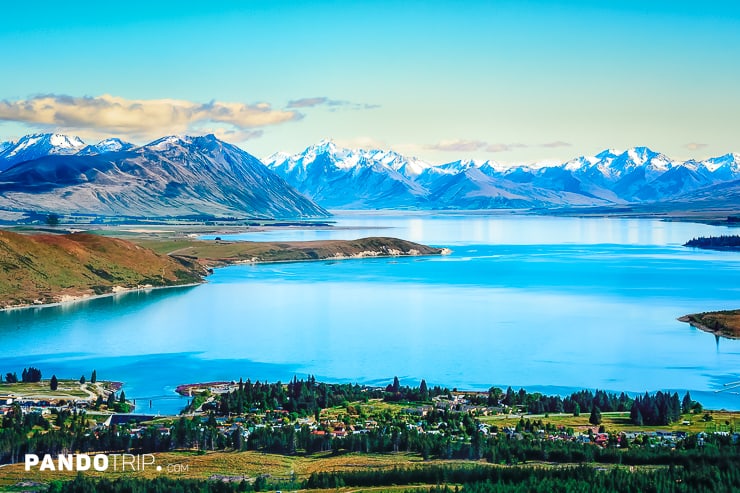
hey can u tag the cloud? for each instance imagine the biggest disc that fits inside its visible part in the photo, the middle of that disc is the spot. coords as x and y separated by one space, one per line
307 102
557 143
504 147
462 145
458 145
330 103
695 146
139 118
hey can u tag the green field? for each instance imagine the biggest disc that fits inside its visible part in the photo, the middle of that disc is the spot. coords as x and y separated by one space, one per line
617 422
66 389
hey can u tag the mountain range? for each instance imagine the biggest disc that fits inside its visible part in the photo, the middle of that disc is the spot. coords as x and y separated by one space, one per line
369 179
181 177
173 177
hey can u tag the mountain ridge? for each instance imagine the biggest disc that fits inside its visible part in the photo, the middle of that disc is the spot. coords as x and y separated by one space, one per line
335 177
638 175
171 177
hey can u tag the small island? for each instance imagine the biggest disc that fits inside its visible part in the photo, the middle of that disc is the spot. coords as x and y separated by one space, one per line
724 323
725 242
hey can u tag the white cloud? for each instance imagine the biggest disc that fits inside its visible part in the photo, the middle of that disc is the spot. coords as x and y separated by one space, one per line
557 143
463 145
333 104
504 147
695 146
140 118
457 145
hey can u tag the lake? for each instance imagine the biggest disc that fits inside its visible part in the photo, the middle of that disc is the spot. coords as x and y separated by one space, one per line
551 304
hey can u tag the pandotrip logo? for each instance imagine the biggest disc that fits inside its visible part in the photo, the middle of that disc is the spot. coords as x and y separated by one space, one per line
96 462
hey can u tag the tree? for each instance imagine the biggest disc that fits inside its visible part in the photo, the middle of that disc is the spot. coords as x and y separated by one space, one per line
11 377
576 410
52 219
623 441
122 397
94 377
686 403
82 380
423 390
595 418
53 384
396 385
31 375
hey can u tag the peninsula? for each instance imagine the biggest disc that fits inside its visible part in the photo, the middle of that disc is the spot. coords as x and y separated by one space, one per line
725 242
40 269
724 323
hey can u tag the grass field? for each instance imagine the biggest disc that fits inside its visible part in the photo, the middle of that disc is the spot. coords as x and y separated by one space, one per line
192 465
40 390
618 422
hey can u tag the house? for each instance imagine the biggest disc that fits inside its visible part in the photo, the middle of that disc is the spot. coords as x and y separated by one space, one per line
601 439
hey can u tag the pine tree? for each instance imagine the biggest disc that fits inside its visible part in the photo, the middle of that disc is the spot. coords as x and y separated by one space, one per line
595 418
423 390
686 403
53 383
94 377
82 380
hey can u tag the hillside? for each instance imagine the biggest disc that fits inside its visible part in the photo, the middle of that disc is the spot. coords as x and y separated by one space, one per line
47 268
216 253
173 177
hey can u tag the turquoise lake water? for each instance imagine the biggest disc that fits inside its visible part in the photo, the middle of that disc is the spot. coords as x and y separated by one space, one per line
551 304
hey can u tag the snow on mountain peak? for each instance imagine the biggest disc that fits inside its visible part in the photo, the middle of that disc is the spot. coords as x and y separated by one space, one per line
65 142
170 141
112 145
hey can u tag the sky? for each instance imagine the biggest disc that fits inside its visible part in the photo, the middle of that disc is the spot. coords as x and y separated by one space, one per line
511 81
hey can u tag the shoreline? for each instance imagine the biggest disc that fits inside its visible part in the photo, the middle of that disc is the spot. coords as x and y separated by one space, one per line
84 297
213 264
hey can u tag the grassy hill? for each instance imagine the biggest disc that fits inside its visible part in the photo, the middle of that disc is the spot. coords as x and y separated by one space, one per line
215 253
48 268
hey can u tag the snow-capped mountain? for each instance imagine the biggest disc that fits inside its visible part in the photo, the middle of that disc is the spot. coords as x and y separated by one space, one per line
171 177
345 178
107 145
724 168
35 146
